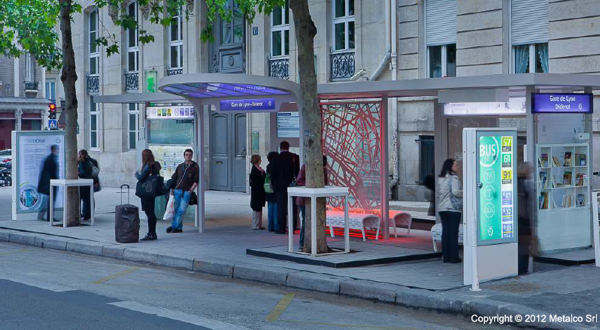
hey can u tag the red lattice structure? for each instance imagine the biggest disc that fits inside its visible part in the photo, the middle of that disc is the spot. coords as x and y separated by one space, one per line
352 144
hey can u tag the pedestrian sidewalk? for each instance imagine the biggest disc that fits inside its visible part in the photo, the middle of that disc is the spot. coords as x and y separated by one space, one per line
221 250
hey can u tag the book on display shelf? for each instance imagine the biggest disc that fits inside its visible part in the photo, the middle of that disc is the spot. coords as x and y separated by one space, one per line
567 157
543 201
543 160
580 200
582 160
556 161
579 179
567 178
544 180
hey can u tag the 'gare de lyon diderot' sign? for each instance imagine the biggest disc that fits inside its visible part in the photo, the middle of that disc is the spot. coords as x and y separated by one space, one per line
561 103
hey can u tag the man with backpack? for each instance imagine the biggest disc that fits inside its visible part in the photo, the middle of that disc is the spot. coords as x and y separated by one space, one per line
88 169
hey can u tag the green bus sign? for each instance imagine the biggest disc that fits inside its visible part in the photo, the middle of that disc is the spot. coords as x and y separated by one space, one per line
497 193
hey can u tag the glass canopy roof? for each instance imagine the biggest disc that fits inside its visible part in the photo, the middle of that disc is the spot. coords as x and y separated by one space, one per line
209 90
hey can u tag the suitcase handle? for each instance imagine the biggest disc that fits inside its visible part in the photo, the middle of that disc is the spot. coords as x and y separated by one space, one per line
125 185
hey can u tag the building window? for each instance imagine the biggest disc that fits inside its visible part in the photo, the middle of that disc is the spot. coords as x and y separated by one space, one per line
280 31
133 114
29 68
442 61
94 125
531 58
50 90
233 32
426 153
132 40
94 51
343 24
176 42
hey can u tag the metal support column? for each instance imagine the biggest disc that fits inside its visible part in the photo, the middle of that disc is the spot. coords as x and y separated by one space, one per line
385 186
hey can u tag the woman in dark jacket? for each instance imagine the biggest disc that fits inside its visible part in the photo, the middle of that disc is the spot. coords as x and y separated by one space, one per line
85 171
257 192
150 167
273 225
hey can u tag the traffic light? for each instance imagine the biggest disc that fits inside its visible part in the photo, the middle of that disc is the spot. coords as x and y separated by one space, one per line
51 111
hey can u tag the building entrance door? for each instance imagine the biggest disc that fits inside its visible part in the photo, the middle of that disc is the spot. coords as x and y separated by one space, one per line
228 152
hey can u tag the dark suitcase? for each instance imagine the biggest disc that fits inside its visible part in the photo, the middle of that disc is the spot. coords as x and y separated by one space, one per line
127 221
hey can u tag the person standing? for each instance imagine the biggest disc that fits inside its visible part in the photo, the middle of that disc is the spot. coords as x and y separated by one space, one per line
257 192
524 226
49 172
450 208
301 201
186 178
150 167
272 223
287 166
429 183
88 169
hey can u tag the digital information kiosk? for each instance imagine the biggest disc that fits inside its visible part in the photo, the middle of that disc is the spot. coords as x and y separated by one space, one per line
490 204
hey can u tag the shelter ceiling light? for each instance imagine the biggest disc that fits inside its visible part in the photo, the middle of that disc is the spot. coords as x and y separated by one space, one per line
473 95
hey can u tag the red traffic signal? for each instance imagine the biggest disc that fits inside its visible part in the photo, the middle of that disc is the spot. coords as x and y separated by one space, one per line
52 111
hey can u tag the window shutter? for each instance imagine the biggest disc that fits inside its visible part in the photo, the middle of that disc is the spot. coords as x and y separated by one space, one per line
440 21
529 22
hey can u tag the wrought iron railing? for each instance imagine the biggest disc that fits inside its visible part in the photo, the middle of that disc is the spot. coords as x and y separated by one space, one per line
342 65
175 71
93 83
132 81
31 85
279 68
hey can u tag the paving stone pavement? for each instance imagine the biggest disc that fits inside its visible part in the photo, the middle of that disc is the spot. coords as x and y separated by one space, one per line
221 250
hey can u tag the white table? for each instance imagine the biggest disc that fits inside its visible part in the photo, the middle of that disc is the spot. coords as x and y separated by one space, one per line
313 194
66 184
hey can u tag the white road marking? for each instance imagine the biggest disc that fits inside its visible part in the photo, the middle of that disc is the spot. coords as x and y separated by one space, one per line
36 283
177 316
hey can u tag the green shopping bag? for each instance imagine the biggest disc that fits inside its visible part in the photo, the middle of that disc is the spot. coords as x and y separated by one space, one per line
268 186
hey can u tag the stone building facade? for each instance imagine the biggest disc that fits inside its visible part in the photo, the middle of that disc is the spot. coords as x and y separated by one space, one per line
23 101
356 40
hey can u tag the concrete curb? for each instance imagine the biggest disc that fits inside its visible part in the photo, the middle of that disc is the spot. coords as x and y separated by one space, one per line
368 290
51 243
213 267
266 274
314 282
388 293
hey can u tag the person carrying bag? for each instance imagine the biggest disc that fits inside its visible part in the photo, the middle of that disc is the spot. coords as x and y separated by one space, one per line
150 185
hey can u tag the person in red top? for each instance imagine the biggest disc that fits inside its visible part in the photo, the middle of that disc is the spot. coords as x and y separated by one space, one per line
301 181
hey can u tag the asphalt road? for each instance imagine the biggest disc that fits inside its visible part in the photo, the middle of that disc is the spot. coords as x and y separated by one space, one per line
46 289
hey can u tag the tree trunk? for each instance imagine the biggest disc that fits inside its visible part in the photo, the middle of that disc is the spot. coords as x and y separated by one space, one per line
68 78
308 105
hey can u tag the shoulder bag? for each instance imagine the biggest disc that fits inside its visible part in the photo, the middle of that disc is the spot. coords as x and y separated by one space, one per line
151 187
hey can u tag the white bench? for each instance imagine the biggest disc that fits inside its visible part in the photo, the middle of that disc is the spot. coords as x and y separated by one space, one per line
436 235
355 221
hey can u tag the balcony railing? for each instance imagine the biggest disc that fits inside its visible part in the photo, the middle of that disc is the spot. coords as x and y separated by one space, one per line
174 71
342 65
31 85
93 83
132 81
279 68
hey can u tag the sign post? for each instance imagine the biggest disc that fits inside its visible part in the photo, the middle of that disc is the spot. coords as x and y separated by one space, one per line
490 208
30 149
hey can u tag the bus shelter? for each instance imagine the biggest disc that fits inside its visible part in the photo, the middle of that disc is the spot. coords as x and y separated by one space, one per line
227 93
557 137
